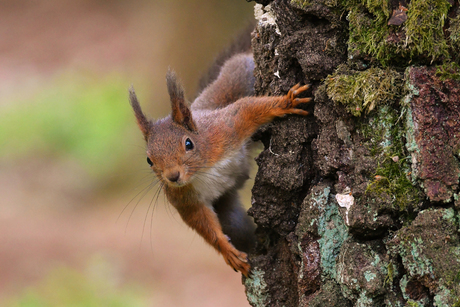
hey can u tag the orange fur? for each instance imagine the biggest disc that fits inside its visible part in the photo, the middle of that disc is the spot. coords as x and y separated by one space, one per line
199 153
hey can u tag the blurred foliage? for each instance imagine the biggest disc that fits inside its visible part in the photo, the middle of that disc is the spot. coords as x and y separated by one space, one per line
81 119
85 119
68 287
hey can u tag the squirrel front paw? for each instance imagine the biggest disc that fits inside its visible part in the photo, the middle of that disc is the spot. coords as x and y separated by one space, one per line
238 261
291 100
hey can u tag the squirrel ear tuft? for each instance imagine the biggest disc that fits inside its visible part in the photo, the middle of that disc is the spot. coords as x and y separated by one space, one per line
144 124
181 113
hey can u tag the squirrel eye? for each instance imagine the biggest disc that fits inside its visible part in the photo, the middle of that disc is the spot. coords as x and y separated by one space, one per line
149 161
188 144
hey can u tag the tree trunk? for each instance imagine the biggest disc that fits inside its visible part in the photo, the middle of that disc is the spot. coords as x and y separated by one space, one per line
358 204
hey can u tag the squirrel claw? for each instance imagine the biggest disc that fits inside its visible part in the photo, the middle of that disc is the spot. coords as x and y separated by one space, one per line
245 260
299 112
292 101
302 100
299 90
238 261
294 88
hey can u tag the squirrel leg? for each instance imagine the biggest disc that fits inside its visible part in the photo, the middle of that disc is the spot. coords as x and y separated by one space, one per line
204 221
246 115
235 222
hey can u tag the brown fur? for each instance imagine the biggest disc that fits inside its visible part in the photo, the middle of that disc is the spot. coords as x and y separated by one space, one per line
142 121
219 124
181 114
240 44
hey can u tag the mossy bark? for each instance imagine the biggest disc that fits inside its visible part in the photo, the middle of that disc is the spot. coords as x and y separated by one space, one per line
359 204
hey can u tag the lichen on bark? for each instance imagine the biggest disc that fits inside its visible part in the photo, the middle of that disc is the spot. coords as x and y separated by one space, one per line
358 204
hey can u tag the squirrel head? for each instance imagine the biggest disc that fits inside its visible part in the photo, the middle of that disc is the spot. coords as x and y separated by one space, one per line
173 143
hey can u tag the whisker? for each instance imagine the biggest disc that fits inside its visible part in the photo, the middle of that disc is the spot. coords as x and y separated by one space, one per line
203 169
208 176
148 209
201 180
135 196
151 214
169 208
188 159
143 226
152 184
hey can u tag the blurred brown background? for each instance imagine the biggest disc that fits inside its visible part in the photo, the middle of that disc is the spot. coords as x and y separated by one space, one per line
77 226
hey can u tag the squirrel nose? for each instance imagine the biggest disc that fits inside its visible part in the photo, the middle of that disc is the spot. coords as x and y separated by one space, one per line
173 176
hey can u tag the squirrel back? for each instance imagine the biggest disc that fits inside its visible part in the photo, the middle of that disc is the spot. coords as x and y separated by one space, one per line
234 81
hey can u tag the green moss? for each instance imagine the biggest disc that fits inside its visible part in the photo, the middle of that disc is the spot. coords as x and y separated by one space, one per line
448 70
419 37
424 28
369 30
457 278
362 91
334 5
389 278
384 135
454 31
391 179
412 303
300 3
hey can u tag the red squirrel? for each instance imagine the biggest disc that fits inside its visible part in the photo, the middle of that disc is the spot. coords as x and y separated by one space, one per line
199 152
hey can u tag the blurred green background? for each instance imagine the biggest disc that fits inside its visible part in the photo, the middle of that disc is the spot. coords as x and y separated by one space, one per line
77 226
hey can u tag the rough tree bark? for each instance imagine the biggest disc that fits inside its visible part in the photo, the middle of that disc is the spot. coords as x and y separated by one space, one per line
358 204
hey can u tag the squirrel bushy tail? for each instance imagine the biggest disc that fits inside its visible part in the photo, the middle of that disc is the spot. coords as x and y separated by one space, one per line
240 44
